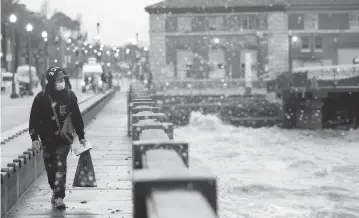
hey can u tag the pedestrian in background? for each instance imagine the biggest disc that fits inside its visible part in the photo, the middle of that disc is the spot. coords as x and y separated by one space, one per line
49 112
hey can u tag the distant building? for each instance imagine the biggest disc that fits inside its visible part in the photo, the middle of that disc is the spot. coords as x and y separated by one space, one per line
204 38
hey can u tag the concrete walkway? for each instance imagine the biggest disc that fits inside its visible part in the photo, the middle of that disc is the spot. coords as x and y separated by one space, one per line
111 155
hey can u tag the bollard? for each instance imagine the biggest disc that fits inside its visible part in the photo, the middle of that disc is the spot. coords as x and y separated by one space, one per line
11 193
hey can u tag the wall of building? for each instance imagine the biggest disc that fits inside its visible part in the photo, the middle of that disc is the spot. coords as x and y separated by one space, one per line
157 55
327 34
266 33
277 42
331 43
233 48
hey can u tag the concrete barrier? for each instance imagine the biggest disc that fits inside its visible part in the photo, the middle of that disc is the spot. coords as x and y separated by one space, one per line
164 185
137 109
139 149
137 128
19 175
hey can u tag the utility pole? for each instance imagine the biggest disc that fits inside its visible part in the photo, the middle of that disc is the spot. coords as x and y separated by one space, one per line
79 58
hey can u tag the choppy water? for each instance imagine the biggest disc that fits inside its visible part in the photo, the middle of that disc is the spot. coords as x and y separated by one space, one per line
272 172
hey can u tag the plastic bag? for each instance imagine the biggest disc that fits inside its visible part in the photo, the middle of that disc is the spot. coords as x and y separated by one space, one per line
85 173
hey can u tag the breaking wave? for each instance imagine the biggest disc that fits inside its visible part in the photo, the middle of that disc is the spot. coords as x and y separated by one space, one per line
273 172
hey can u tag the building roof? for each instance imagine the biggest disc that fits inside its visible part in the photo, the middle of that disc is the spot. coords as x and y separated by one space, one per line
170 5
184 6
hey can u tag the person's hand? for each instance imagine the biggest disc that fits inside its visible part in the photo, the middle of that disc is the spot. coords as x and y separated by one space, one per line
36 145
83 141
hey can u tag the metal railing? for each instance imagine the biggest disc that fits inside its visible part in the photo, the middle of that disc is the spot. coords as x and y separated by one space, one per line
321 77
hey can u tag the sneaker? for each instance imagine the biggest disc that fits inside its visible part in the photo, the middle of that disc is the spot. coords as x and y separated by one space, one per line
59 203
53 198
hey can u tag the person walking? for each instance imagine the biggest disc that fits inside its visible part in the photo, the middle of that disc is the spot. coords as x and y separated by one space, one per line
49 111
110 78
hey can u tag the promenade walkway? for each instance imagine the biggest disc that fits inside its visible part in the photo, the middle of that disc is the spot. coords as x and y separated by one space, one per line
111 155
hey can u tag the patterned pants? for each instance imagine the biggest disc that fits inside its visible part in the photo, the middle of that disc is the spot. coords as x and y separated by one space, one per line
55 160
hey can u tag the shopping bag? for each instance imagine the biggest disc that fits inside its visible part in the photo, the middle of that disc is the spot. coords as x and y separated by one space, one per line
85 173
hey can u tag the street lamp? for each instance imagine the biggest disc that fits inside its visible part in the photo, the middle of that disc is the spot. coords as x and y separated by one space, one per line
295 38
29 28
13 20
44 34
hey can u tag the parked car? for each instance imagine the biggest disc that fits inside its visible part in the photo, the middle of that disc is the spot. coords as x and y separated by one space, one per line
91 76
22 74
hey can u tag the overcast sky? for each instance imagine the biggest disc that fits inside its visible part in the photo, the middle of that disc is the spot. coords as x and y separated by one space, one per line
120 19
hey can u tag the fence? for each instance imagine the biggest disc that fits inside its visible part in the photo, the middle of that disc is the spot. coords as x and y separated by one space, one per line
321 77
229 86
164 184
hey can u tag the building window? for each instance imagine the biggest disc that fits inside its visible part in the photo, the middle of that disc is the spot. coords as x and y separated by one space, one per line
215 23
354 21
184 24
170 24
247 22
310 21
262 22
305 44
318 43
233 23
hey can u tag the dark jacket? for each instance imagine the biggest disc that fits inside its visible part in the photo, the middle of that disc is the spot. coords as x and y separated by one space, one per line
42 123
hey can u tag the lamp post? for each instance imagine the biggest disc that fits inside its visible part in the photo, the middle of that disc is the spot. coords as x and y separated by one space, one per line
13 20
46 57
29 28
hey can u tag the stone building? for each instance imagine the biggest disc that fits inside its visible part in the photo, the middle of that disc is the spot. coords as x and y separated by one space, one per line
218 38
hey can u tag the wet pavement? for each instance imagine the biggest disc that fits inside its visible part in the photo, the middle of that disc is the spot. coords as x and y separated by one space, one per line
111 156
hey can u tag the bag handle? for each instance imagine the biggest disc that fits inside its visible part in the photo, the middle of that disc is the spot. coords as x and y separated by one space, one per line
69 102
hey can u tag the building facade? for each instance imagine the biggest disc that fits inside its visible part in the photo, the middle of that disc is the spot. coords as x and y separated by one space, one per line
204 39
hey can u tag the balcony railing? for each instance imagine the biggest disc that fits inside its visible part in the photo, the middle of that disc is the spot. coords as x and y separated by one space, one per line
345 77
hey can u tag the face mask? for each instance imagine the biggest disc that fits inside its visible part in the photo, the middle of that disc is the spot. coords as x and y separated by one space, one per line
60 86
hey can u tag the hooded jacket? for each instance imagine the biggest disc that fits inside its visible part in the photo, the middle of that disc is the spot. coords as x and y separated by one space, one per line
42 123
